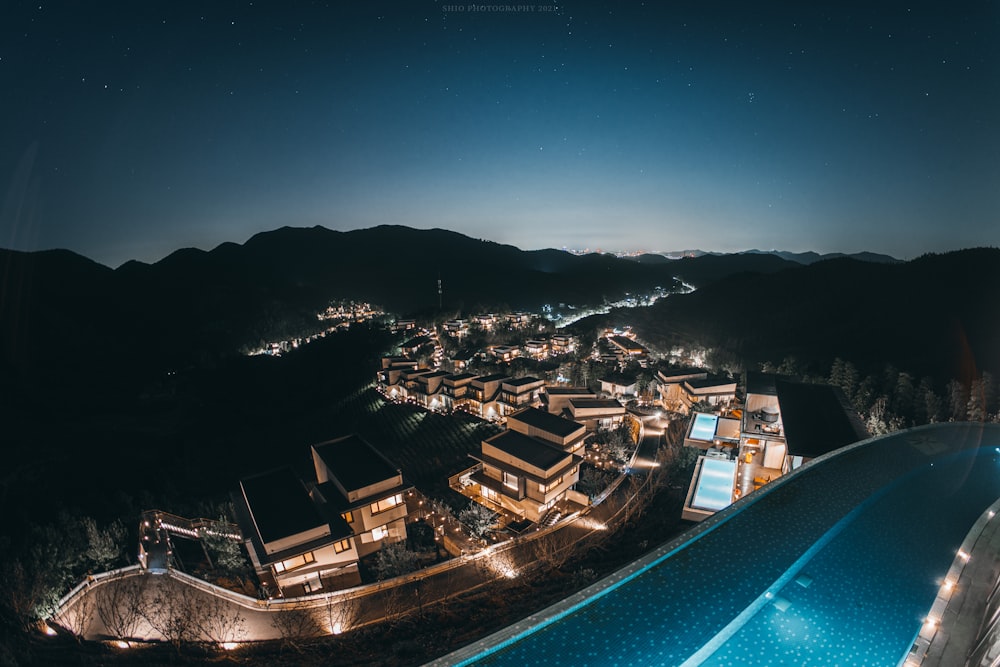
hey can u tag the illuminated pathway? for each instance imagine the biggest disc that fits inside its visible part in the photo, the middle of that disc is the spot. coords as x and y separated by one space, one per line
836 564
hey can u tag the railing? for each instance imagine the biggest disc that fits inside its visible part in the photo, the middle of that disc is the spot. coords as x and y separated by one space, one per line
193 528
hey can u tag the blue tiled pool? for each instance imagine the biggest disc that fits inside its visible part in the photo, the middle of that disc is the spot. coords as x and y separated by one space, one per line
703 427
836 564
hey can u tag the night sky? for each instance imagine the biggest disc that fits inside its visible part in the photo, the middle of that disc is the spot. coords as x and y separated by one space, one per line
131 129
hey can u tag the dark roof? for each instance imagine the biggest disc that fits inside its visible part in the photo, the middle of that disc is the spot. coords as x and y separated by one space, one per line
568 391
460 376
763 383
436 374
816 418
595 403
673 371
619 378
545 421
492 378
279 504
354 462
530 450
417 342
709 382
626 343
521 381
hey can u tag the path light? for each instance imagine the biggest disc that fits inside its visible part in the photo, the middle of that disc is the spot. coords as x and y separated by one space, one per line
47 629
964 556
229 646
337 628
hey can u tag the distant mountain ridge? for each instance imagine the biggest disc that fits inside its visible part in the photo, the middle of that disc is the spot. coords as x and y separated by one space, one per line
806 258
933 315
64 313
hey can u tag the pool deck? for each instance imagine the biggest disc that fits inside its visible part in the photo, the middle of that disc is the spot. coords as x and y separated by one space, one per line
798 570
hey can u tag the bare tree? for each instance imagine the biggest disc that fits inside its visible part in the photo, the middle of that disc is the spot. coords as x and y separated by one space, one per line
80 616
393 605
554 549
121 604
338 615
218 620
171 611
294 626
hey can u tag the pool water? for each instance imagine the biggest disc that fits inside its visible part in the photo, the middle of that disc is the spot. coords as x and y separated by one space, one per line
836 564
715 485
704 426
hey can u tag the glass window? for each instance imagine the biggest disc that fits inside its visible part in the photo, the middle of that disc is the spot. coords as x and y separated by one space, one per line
348 517
380 533
509 480
294 562
342 546
387 504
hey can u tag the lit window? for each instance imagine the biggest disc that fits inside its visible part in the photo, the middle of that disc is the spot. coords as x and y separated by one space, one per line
294 562
387 503
348 517
380 533
342 546
489 493
510 481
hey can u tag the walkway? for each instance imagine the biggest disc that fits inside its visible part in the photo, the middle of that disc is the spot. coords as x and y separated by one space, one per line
838 563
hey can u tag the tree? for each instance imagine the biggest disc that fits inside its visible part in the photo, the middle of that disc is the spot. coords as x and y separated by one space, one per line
217 620
80 615
958 401
121 604
295 625
172 611
104 547
223 550
394 560
338 614
478 519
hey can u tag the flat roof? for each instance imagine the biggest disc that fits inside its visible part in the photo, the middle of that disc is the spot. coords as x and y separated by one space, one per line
530 450
460 376
702 383
764 383
626 342
546 421
569 391
591 403
417 342
520 382
279 504
492 377
619 378
816 419
680 371
354 462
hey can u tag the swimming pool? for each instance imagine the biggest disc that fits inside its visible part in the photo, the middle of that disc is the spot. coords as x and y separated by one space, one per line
703 427
836 563
715 485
